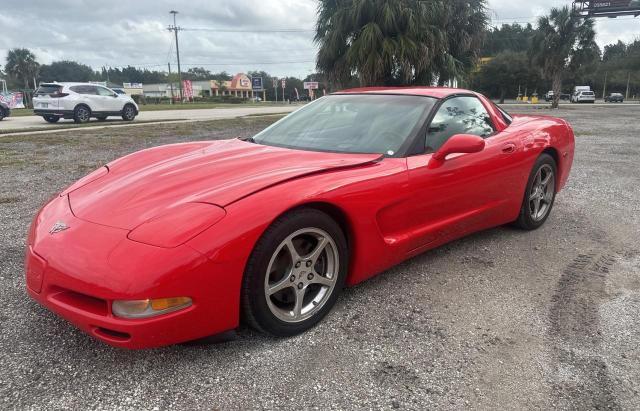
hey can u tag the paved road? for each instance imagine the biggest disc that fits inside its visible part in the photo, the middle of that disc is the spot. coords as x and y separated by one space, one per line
36 122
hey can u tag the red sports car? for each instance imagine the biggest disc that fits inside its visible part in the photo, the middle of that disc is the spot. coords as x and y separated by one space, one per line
184 241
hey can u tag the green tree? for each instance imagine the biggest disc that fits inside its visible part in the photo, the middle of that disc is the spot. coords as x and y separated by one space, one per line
197 73
560 38
501 77
66 71
508 37
22 65
398 42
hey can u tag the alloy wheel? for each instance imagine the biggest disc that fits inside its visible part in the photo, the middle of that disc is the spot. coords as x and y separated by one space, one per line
301 275
542 191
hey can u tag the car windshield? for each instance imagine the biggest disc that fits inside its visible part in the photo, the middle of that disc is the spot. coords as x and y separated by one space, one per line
350 123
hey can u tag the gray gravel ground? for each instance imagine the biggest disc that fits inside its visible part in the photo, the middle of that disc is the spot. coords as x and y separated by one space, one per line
503 319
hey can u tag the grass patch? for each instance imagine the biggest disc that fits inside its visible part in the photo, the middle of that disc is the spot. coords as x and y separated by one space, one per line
21 112
108 123
196 106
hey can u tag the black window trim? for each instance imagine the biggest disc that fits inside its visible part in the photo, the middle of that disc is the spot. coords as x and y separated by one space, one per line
418 146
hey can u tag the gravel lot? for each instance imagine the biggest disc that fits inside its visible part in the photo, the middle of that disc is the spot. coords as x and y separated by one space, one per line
503 319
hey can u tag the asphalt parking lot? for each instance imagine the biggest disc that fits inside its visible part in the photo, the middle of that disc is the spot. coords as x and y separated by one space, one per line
503 319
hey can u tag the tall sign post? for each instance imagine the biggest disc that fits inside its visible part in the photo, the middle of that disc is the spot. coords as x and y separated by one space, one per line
256 85
284 84
311 86
275 88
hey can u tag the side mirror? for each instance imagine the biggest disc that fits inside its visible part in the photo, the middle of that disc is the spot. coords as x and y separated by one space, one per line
460 143
115 95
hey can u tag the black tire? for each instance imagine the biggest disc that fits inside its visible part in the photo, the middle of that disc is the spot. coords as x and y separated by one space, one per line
129 112
256 311
1 115
81 114
51 119
101 118
526 219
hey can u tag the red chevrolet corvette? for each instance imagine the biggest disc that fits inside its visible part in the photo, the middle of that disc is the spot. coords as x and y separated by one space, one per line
184 241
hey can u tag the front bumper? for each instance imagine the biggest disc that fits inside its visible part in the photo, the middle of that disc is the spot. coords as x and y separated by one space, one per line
78 272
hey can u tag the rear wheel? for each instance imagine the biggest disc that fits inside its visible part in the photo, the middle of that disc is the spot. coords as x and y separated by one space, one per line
539 195
295 273
51 119
81 114
128 112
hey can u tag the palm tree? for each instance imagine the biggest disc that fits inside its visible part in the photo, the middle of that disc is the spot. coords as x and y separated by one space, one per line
22 64
397 42
560 38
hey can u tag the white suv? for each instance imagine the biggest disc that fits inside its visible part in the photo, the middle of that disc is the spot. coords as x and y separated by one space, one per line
81 101
584 97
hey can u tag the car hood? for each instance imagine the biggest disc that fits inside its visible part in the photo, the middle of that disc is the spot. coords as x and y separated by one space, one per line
145 184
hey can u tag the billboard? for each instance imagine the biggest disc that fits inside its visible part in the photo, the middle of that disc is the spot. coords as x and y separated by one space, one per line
310 85
607 8
256 83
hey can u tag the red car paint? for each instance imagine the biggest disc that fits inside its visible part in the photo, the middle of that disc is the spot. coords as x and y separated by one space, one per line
118 247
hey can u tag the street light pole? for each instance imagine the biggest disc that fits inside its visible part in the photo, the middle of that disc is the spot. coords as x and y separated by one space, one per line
175 30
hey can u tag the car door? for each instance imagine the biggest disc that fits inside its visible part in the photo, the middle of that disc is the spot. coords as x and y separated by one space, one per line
109 103
466 192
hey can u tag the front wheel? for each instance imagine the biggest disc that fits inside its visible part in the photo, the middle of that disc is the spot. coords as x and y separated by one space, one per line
295 273
539 195
128 113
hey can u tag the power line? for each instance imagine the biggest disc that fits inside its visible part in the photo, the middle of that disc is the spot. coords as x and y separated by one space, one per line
250 30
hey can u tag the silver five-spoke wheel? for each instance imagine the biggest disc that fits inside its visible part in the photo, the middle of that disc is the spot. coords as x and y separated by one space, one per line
542 191
301 275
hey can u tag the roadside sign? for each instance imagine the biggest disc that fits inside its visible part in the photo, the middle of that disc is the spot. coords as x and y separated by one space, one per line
310 85
284 82
275 83
256 83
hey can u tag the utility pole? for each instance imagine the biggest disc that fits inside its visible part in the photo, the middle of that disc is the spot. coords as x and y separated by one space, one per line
170 83
175 30
604 89
626 97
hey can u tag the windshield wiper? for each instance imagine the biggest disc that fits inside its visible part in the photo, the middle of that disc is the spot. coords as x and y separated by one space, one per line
249 140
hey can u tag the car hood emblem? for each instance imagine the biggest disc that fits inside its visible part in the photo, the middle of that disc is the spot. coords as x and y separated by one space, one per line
57 227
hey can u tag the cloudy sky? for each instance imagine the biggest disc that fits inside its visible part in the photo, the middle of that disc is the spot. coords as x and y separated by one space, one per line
231 35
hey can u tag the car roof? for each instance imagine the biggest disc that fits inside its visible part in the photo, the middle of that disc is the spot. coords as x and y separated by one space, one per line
70 83
435 92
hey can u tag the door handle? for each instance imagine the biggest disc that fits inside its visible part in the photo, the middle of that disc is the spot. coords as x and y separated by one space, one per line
509 148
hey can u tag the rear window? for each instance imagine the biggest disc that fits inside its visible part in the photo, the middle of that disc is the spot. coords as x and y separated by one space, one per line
47 89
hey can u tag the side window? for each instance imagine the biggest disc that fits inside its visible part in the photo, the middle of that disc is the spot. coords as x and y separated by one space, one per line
84 89
105 92
458 115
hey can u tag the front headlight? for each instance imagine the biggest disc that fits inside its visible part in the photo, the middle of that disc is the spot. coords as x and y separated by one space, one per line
149 308
177 225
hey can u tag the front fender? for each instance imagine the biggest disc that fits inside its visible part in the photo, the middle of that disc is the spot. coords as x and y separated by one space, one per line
372 197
